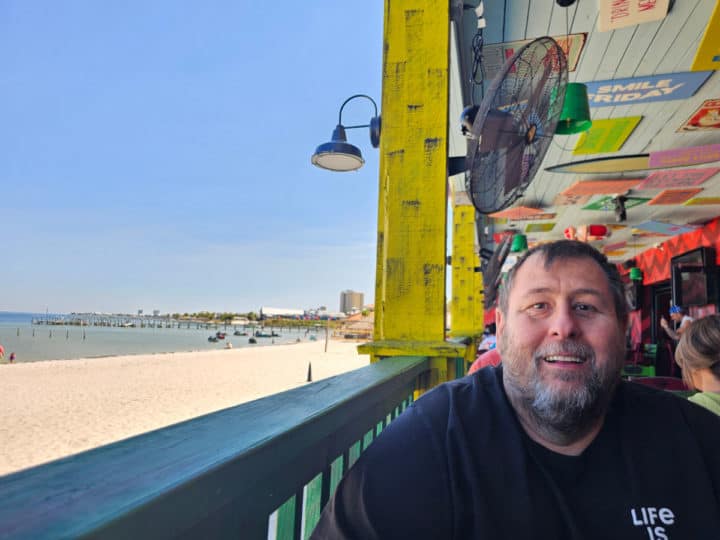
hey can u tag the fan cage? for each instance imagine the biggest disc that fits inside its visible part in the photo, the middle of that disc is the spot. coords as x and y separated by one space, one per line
515 125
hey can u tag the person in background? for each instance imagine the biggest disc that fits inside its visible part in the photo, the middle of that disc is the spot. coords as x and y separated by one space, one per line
698 354
489 340
678 315
487 351
12 357
489 358
551 443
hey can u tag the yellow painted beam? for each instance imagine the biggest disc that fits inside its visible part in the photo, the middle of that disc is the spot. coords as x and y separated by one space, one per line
410 278
466 306
430 349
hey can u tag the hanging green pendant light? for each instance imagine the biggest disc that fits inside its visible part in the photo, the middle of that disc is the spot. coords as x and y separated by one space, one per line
575 115
519 243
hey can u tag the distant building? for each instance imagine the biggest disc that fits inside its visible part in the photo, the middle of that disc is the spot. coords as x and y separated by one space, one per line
281 313
156 312
351 301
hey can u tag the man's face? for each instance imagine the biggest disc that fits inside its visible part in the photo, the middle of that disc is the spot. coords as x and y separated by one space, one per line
561 343
677 317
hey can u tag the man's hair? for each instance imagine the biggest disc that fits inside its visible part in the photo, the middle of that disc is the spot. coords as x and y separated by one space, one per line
569 249
699 347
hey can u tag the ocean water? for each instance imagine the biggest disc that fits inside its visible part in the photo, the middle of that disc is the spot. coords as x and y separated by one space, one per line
33 342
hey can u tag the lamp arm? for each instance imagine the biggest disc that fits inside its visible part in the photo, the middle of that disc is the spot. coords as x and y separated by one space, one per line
350 99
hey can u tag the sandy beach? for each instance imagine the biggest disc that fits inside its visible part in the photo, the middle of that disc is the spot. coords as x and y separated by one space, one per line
56 408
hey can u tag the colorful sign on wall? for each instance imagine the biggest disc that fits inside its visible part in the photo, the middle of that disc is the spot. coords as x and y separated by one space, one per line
645 89
496 54
674 196
518 212
702 201
595 187
620 13
661 227
705 118
570 199
606 135
539 227
680 157
707 55
607 204
677 179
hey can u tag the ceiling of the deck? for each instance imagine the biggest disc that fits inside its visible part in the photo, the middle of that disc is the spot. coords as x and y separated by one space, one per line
667 46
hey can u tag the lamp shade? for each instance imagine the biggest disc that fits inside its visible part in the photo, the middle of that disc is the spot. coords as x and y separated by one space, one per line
338 154
519 243
575 115
636 274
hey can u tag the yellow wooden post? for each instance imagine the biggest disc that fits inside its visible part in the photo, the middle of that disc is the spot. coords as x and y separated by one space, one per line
466 306
411 243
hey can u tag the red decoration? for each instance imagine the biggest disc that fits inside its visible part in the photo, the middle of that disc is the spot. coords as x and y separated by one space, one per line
588 233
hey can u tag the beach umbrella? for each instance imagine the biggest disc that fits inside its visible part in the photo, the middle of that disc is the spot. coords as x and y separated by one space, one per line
2 351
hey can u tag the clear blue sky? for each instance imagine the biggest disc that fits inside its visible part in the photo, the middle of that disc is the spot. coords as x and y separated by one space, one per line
156 154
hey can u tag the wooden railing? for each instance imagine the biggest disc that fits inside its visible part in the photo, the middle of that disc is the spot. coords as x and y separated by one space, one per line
241 472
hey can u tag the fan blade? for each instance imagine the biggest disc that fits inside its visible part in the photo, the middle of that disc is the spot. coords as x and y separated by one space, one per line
513 167
502 125
492 274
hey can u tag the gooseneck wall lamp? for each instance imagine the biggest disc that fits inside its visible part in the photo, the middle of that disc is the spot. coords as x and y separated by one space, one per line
338 154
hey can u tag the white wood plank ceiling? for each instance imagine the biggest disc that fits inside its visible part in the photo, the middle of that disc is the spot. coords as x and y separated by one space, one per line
661 47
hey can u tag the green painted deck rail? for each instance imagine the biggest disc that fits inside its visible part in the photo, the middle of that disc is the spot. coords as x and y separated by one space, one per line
236 473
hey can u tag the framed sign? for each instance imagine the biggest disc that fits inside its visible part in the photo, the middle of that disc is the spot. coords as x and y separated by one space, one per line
705 118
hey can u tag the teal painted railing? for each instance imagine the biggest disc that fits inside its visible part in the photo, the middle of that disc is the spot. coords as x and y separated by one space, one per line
238 473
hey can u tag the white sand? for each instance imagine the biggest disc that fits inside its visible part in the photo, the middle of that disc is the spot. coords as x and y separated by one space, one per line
56 408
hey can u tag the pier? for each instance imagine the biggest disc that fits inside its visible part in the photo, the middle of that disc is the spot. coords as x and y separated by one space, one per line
120 321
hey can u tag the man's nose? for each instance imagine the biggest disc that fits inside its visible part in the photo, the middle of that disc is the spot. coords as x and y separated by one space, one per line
563 323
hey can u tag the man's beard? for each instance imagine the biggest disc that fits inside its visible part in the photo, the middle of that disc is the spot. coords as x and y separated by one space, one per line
561 414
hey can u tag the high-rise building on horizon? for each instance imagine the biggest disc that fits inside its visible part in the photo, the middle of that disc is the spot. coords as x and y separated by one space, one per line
351 301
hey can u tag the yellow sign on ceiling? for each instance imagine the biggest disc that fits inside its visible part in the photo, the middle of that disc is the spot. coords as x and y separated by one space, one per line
707 55
606 135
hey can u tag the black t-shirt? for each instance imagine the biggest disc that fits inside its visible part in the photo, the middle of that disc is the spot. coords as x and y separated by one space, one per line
575 490
457 464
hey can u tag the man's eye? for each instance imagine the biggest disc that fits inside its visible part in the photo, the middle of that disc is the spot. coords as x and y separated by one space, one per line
538 305
584 307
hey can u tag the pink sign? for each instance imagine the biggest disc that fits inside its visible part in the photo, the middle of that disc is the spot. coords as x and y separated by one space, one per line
677 179
679 157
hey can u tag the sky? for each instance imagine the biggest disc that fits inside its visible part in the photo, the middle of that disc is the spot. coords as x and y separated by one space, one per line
156 155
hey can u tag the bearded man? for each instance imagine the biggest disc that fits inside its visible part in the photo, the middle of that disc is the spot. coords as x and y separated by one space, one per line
549 445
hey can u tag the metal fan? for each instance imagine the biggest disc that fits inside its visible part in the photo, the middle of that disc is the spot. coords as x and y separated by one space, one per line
492 271
515 124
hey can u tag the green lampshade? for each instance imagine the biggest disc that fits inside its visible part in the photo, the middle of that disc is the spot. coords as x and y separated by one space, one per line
519 243
575 115
636 274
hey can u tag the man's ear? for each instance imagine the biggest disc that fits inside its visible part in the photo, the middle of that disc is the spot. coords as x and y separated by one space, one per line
499 323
